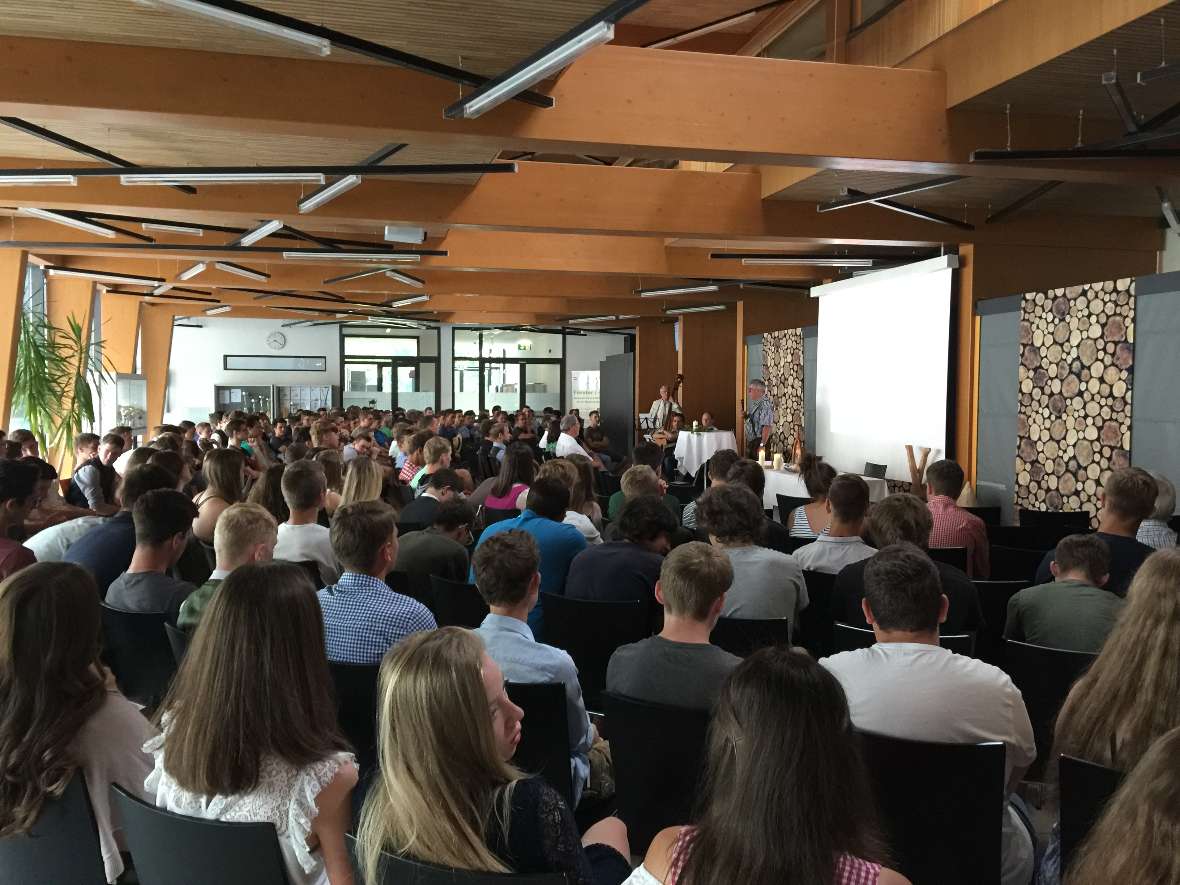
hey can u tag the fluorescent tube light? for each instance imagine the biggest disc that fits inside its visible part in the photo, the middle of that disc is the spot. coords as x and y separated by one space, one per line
161 289
705 308
309 42
103 276
328 192
407 279
397 234
189 273
483 100
174 178
360 274
712 28
582 320
216 310
100 230
348 256
246 272
406 302
31 180
174 228
627 316
807 262
678 290
250 237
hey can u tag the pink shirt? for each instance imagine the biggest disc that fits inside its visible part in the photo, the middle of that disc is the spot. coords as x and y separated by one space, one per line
506 502
955 527
849 870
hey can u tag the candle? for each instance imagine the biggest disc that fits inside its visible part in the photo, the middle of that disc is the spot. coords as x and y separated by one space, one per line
778 461
761 456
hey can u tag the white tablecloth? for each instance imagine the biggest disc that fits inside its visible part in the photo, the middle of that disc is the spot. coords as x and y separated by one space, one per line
694 449
783 482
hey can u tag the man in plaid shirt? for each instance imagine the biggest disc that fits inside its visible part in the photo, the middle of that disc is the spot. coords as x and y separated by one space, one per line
954 526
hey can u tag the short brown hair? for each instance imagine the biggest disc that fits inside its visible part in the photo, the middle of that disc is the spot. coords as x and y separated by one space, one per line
849 497
719 464
945 478
898 518
903 589
730 513
319 429
639 480
303 482
1130 493
358 530
504 565
1086 553
240 527
693 577
436 447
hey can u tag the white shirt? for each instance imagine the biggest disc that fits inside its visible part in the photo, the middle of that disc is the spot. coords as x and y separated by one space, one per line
567 445
303 543
583 524
829 555
50 544
924 692
120 463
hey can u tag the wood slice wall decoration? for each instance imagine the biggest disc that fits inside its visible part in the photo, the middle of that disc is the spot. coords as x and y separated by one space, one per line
782 367
1073 425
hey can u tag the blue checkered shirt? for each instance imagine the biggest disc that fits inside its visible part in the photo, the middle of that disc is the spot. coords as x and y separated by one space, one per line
363 619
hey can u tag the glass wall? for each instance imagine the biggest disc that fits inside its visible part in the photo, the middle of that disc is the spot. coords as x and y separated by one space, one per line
507 368
390 370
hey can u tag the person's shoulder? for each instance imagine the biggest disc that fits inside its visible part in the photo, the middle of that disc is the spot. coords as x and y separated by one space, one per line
658 860
848 661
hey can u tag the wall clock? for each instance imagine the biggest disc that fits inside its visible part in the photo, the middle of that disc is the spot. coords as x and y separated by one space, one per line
276 340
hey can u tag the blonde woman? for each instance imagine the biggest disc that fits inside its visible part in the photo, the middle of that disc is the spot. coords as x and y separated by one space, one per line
1130 696
441 699
582 497
362 481
567 474
225 478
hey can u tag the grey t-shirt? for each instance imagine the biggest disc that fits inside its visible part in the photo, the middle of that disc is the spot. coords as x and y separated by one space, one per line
149 592
678 674
766 584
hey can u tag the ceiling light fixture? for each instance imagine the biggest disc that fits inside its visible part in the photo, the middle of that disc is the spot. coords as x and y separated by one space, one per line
678 290
360 274
212 311
309 42
406 302
173 178
37 180
230 267
807 262
704 308
174 228
327 193
587 320
102 276
398 234
161 289
100 230
330 255
190 272
264 230
407 279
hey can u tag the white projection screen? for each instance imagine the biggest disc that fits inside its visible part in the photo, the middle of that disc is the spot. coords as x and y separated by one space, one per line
883 366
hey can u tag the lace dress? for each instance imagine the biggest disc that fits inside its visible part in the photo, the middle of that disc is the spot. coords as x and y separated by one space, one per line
285 796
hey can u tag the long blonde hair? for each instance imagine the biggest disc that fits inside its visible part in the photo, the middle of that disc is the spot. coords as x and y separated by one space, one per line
1137 839
1131 694
362 481
441 779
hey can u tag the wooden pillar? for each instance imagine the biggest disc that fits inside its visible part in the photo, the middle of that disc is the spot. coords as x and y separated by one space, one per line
966 366
708 354
120 330
13 263
68 298
655 359
155 350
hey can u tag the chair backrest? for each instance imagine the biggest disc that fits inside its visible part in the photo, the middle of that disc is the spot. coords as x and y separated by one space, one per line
959 643
1015 564
415 586
136 649
1022 537
178 639
1085 788
544 747
404 528
394 870
608 482
171 849
493 515
356 708
941 807
956 556
1066 520
457 603
591 631
814 631
1044 676
989 515
744 636
846 637
312 569
682 491
658 754
61 847
993 599
874 471
787 503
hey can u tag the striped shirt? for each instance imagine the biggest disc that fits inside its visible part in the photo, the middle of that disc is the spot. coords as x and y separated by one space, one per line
363 619
849 870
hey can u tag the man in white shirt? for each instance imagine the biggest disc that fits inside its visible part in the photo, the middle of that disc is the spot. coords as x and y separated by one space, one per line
301 538
840 545
662 408
567 442
50 544
906 686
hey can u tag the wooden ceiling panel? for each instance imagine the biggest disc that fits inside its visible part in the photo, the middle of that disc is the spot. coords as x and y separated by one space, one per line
486 37
680 15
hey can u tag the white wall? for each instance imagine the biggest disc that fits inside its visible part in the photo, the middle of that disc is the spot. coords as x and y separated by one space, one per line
198 357
1171 254
585 352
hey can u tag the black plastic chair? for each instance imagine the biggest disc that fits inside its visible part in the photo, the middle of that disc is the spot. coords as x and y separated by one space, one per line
1061 520
814 631
744 636
1014 564
394 870
405 528
416 586
1085 788
312 569
137 650
62 846
989 515
787 503
1022 537
1044 677
846 637
658 754
356 708
875 471
608 483
492 515
591 631
171 849
456 603
544 747
178 640
956 556
993 599
682 491
959 643
941 807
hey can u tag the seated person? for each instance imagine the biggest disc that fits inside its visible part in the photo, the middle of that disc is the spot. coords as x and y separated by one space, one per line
751 474
301 538
1074 612
440 548
244 533
1127 498
509 488
163 519
437 456
1155 531
415 457
508 580
907 686
648 454
679 667
954 526
905 518
567 473
638 481
594 436
841 544
363 618
707 422
628 568
811 520
360 446
766 583
442 486
224 473
567 441
675 425
48 508
18 486
715 470
93 483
